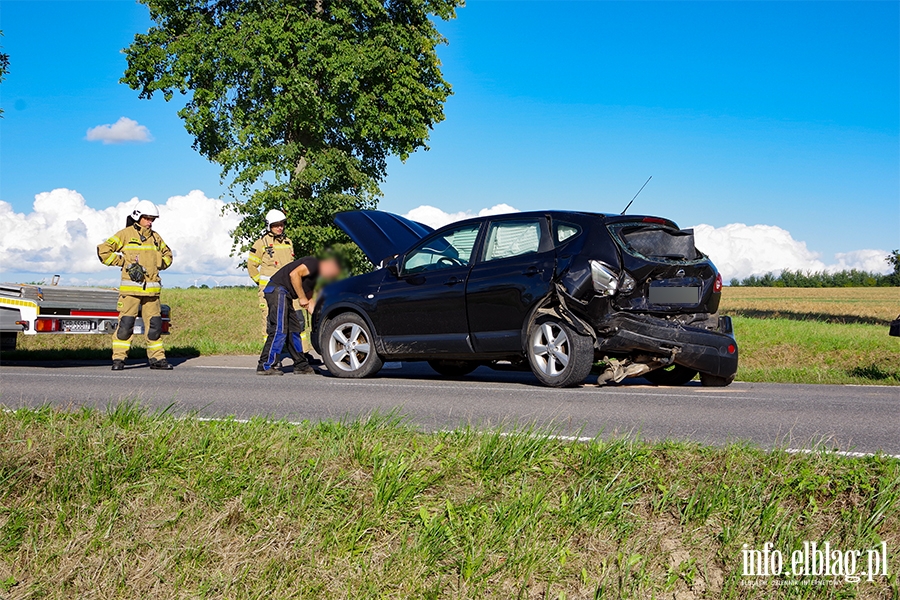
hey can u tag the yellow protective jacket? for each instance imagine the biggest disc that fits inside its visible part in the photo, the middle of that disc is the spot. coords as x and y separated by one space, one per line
268 254
137 244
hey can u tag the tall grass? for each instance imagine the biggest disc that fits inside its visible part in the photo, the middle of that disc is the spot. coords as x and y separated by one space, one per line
126 504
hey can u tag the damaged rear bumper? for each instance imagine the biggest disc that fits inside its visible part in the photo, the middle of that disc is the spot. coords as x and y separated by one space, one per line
712 352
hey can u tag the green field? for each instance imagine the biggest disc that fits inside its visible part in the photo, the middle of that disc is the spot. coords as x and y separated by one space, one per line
785 334
123 504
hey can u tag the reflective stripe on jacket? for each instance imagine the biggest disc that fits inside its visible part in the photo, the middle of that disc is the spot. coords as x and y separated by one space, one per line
141 245
267 255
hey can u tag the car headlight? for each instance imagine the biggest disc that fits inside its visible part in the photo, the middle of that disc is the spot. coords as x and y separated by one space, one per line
627 284
605 280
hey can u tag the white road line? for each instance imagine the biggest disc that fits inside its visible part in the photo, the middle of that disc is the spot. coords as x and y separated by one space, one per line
564 438
838 453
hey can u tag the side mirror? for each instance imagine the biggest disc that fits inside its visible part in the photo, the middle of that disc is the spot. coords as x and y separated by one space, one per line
393 267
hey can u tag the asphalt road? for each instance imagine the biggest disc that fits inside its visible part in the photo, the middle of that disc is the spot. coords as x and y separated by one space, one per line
846 418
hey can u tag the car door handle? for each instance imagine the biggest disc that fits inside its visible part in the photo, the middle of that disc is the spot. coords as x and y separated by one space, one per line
531 271
452 281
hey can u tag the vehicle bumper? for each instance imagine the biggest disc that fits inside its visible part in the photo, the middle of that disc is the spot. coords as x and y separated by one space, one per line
701 349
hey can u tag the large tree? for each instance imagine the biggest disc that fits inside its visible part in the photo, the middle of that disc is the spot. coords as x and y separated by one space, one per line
299 102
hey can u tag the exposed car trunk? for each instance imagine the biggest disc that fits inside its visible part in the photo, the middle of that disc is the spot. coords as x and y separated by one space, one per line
380 235
671 275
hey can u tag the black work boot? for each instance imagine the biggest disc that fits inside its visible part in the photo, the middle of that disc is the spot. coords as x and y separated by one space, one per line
307 370
118 365
160 365
273 371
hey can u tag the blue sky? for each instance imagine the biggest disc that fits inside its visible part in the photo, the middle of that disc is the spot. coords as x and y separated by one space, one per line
772 113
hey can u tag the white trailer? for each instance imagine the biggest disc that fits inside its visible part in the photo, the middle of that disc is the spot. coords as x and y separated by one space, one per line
29 309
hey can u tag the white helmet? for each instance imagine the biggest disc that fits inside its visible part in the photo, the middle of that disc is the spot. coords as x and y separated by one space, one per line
275 216
144 207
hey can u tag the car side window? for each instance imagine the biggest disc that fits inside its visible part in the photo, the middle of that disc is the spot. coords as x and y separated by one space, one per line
513 238
564 231
451 249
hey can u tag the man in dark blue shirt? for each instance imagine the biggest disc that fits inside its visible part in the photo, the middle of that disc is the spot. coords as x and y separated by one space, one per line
294 281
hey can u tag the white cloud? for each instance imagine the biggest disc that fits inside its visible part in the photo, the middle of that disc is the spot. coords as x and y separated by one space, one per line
61 234
123 130
740 250
435 217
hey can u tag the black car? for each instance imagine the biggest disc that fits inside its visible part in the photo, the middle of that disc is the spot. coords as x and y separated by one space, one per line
552 291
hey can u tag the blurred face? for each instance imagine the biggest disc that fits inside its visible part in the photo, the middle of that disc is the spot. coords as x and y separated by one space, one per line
277 228
329 269
147 221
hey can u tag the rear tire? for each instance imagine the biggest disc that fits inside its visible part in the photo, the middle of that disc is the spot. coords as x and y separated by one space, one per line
715 381
348 347
671 375
453 368
557 354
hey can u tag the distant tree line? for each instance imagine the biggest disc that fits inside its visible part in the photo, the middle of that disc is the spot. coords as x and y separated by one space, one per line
821 279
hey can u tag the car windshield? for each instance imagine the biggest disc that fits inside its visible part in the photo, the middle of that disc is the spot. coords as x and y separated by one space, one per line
451 249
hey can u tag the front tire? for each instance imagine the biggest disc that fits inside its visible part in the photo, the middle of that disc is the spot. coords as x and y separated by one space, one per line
349 347
453 368
671 375
557 354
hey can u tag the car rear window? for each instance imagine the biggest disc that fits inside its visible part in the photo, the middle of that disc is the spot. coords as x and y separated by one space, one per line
657 242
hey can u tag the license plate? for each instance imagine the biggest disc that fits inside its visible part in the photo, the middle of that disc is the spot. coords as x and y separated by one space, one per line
78 326
675 295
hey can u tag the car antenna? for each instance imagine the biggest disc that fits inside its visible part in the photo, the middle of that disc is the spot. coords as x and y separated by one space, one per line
636 195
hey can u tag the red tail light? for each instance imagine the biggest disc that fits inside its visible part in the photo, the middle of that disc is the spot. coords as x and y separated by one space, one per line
717 286
46 325
731 348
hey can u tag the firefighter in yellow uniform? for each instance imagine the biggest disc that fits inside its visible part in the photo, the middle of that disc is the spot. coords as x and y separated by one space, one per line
268 254
142 254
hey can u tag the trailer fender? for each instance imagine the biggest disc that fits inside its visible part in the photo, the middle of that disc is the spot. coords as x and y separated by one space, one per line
28 312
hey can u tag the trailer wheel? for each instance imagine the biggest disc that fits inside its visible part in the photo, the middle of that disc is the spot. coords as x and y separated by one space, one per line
8 341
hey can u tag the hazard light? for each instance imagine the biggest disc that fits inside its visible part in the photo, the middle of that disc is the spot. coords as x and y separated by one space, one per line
46 325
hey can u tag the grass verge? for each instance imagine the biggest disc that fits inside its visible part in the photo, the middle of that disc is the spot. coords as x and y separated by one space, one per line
124 504
789 351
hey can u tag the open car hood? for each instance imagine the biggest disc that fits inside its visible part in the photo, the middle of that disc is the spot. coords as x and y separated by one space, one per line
380 234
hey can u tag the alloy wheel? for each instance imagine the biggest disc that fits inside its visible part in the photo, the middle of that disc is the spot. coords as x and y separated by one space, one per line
550 348
349 347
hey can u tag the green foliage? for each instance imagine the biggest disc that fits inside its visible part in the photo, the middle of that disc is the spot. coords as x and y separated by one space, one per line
4 67
819 279
300 102
893 259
